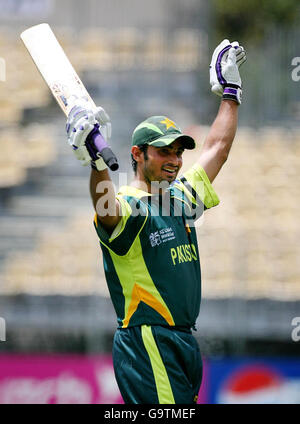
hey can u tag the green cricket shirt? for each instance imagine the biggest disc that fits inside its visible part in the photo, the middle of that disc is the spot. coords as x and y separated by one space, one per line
151 259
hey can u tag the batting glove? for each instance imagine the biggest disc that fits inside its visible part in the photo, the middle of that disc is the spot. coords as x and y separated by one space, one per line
225 78
80 123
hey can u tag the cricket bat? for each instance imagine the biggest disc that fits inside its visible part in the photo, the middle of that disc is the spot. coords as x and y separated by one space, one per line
62 79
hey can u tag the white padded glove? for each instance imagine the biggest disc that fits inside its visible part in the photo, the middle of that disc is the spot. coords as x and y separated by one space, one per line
80 123
225 79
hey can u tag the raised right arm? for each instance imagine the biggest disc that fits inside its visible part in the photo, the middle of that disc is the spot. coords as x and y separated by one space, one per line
80 124
104 199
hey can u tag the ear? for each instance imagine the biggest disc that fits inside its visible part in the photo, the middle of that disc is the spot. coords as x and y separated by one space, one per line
136 153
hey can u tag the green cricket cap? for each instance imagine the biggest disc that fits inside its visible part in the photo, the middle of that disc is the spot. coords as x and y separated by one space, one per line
160 131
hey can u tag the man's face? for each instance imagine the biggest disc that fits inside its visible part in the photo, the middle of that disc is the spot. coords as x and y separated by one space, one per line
162 163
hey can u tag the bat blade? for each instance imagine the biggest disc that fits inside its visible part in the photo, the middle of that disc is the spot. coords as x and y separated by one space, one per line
54 66
63 81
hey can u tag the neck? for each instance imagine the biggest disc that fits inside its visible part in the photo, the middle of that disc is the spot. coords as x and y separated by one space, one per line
141 184
149 186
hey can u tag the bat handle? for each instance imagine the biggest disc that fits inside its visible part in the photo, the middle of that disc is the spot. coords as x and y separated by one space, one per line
103 149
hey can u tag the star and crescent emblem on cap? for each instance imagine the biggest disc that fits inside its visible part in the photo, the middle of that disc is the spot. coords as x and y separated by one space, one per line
168 123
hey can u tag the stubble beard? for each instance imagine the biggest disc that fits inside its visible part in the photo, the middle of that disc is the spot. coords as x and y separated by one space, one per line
149 176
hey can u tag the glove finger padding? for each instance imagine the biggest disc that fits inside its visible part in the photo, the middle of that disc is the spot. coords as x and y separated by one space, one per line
235 44
241 60
79 124
241 57
80 132
76 113
240 53
101 116
104 121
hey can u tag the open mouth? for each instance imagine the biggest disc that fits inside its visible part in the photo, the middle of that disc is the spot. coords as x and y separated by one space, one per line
170 171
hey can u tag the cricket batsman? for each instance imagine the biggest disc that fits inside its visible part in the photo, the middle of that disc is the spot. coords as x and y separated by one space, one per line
148 238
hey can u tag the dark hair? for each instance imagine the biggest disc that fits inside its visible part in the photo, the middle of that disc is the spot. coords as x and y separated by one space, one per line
143 148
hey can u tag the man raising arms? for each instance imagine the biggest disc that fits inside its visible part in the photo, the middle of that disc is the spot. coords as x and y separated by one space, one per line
149 242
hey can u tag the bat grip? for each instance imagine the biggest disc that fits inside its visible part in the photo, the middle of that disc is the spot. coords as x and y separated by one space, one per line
103 149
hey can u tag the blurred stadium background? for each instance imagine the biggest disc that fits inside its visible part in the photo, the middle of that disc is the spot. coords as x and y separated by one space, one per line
139 59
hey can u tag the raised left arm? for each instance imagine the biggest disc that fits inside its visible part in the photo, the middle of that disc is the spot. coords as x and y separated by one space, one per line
219 140
225 82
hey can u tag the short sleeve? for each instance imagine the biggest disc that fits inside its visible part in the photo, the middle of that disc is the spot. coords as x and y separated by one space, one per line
196 191
198 186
